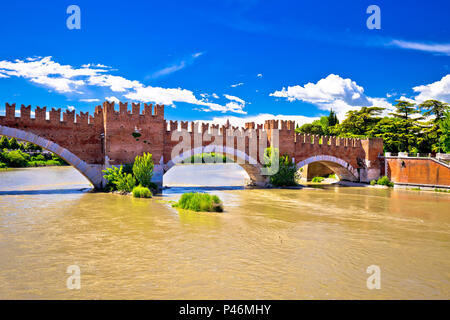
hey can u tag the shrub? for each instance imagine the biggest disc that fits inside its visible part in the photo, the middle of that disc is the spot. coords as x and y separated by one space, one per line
143 169
14 145
141 192
287 170
373 182
318 179
4 143
3 165
125 183
199 202
118 180
332 176
39 157
384 181
16 158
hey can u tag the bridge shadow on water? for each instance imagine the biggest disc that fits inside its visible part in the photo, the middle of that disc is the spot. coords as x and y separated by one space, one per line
44 192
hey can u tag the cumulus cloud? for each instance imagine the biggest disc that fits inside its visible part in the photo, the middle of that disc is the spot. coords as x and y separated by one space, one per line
70 108
439 90
112 99
67 79
332 92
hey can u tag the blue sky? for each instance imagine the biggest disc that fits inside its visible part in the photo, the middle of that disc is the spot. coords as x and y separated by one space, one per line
215 59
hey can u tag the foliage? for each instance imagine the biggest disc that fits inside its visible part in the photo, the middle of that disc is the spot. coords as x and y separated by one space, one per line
210 157
286 174
373 182
4 143
384 181
141 192
358 122
332 176
143 169
199 202
3 165
444 125
112 177
125 182
15 158
13 144
318 179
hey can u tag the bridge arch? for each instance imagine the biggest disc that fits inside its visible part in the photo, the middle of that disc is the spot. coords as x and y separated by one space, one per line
248 163
92 172
343 169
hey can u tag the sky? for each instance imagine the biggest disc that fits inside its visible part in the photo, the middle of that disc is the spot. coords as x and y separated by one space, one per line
243 60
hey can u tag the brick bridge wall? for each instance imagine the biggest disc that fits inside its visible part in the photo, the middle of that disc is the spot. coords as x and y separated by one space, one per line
418 171
112 137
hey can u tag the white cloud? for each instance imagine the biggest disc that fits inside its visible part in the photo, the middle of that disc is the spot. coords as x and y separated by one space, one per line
332 92
90 100
439 90
233 98
67 79
44 71
70 108
215 96
442 48
258 119
169 70
237 85
112 99
259 75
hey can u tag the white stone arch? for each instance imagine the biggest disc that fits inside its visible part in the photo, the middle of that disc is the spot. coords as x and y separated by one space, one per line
248 163
92 172
342 168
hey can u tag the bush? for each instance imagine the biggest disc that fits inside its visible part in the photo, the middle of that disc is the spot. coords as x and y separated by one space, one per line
332 176
373 182
287 170
39 157
3 165
384 181
318 179
4 143
125 183
141 192
16 158
14 145
199 202
143 169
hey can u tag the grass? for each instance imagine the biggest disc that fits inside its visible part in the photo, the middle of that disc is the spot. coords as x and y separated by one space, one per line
199 202
442 190
141 192
317 179
383 181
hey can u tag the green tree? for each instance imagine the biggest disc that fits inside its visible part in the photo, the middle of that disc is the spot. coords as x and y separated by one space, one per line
143 169
4 143
358 123
431 129
444 125
14 145
332 119
435 108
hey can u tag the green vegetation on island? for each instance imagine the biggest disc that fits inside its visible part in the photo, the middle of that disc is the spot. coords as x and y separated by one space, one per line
125 178
383 181
199 202
287 172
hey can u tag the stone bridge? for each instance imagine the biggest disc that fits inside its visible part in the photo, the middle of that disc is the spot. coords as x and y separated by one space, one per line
110 137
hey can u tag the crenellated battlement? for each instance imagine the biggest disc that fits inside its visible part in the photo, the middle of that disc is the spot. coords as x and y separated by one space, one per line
114 137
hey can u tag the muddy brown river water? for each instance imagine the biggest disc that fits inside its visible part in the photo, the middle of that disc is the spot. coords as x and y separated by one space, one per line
268 244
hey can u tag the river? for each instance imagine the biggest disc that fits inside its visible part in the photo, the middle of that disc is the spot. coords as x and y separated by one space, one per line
314 243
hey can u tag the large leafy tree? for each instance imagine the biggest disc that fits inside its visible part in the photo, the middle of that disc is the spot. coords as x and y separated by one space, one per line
4 143
432 132
444 140
359 122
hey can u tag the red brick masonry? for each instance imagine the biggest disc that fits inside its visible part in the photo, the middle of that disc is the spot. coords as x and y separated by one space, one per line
417 171
110 137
